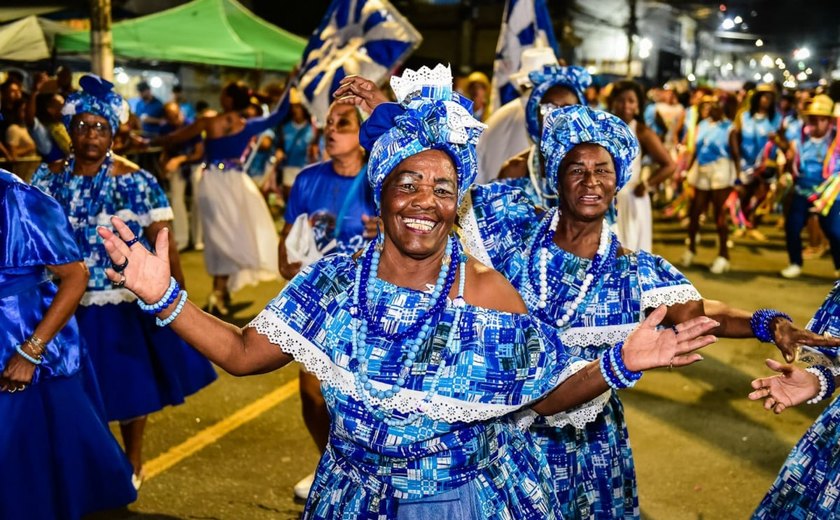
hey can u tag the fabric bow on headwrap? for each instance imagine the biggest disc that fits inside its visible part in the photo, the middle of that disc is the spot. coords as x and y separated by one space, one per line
429 116
576 79
567 127
96 97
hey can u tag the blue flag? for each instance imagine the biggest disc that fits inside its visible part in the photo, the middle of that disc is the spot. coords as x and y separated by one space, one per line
525 24
365 37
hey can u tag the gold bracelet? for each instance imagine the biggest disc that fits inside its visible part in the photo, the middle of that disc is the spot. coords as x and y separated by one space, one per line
37 342
36 353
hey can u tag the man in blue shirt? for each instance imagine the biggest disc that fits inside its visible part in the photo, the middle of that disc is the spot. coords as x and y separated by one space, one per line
148 108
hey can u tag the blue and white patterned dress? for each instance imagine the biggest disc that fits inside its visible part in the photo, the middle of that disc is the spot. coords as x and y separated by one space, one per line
808 485
589 456
499 363
140 367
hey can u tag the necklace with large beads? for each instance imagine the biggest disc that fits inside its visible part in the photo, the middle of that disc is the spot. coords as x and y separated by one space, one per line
361 329
542 239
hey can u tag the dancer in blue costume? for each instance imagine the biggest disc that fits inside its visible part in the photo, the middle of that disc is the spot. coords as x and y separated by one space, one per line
141 369
554 86
59 459
240 239
420 349
808 483
593 291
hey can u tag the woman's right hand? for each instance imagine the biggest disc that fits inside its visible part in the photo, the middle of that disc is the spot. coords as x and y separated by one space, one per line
359 91
648 347
147 274
793 387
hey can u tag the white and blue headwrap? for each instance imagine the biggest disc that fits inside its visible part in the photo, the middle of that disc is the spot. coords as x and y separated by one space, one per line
429 116
567 127
576 79
96 97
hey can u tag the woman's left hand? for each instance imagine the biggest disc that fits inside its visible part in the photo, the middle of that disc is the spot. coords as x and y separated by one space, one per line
356 90
794 386
648 347
17 375
789 338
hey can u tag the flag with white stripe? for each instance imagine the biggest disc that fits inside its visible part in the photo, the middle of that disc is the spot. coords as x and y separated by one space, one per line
365 37
525 24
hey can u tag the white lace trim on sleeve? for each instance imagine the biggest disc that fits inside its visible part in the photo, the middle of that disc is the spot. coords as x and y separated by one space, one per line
107 297
144 219
470 235
318 363
595 336
578 416
671 295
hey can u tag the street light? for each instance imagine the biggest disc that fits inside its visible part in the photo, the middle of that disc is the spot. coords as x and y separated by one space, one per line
768 77
728 24
645 46
738 19
802 53
766 61
759 42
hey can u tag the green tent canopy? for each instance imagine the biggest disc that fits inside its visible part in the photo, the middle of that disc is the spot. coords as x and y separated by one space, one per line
212 32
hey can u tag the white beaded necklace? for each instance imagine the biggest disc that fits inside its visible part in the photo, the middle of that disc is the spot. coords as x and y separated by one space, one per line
587 280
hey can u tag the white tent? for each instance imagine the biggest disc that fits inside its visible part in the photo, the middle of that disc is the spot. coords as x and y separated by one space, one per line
29 39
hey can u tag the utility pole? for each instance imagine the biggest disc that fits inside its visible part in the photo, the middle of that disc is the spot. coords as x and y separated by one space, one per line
632 29
101 44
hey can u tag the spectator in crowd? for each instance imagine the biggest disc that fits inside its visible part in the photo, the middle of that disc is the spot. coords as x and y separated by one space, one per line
186 107
148 108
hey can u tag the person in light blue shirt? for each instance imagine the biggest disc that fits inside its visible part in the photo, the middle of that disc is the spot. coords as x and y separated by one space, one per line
148 108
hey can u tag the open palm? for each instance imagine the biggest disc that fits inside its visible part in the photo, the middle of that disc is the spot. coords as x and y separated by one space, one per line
648 347
147 274
792 387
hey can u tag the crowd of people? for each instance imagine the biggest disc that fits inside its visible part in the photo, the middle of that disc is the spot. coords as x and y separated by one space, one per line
467 291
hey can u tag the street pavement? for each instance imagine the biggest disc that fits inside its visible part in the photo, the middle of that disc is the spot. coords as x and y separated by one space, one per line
703 451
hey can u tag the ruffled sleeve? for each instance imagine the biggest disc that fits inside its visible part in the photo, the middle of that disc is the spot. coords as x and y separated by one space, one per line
825 321
662 284
140 198
34 230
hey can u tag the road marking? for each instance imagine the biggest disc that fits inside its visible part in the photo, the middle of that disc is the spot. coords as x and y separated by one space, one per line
213 433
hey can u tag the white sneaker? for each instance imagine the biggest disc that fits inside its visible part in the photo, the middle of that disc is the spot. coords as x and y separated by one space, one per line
687 258
302 488
792 271
720 265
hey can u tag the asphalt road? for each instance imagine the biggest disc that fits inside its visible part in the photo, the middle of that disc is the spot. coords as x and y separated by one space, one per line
703 451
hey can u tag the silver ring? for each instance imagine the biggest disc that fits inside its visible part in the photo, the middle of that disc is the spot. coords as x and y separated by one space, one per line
121 283
12 390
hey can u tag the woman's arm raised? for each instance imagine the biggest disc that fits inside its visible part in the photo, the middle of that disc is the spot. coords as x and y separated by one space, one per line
238 351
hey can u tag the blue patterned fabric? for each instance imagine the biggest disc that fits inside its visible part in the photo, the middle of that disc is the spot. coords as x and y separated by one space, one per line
576 79
567 127
433 118
592 466
96 97
66 463
498 364
90 201
808 485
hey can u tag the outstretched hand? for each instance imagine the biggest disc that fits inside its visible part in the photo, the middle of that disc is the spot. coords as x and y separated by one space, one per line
648 347
793 387
790 339
356 90
147 274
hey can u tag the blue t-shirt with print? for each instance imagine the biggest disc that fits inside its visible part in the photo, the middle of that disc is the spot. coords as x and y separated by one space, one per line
712 140
321 193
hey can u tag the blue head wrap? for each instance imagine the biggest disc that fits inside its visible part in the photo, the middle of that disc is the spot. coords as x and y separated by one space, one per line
429 116
567 127
576 79
96 97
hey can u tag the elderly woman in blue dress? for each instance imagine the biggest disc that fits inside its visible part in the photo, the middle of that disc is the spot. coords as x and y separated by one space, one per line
59 459
806 487
420 349
574 274
140 369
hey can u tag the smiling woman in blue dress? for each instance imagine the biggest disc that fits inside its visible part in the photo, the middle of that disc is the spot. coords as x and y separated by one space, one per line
421 351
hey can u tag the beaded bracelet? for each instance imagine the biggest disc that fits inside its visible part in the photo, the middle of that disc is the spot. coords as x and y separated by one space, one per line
760 323
607 371
620 368
826 383
165 301
178 308
24 355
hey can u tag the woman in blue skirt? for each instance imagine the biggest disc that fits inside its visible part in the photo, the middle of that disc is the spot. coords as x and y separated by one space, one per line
59 460
140 367
808 485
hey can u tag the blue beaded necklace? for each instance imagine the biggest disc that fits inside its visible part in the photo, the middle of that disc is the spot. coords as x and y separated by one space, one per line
537 258
364 324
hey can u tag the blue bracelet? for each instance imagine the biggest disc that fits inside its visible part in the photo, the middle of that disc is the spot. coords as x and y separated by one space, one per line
178 308
609 376
167 299
760 323
827 385
610 355
620 368
24 355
